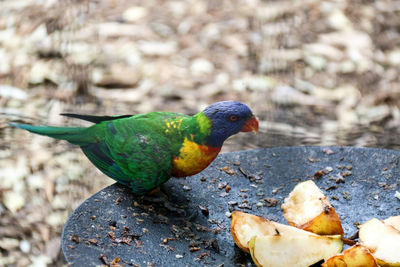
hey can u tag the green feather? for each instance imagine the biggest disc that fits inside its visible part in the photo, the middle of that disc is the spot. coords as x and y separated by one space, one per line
136 151
204 124
74 135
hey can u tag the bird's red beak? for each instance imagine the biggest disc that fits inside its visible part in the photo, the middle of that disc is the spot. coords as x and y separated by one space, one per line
250 125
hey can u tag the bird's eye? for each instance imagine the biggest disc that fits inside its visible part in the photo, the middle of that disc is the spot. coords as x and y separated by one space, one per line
233 118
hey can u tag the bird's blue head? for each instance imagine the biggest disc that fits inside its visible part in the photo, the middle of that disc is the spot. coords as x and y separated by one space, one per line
228 118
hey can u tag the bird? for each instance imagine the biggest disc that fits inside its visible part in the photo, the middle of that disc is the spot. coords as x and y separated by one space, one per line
144 151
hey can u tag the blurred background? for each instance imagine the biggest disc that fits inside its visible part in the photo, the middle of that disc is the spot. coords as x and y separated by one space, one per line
314 72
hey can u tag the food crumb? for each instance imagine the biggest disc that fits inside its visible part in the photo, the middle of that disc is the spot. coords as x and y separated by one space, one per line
328 151
313 160
271 202
228 188
318 174
187 188
245 206
178 256
333 187
397 194
222 185
194 249
112 235
275 191
118 201
329 169
75 238
93 241
202 255
346 173
346 195
204 210
228 170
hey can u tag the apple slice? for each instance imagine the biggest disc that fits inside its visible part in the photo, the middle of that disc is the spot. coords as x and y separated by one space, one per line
293 250
356 256
394 221
382 240
307 208
244 226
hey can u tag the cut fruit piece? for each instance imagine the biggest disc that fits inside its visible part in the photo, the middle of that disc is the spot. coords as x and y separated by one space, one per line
356 256
244 226
307 208
393 221
293 250
382 240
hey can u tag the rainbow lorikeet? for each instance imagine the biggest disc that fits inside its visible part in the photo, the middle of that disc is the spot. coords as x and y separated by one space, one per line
143 151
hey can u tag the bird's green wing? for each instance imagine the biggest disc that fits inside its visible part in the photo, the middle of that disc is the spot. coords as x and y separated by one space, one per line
134 151
99 154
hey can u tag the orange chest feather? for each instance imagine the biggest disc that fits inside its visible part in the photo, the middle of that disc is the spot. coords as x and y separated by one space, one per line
193 158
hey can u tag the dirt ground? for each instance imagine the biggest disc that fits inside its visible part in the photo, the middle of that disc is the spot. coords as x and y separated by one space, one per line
314 72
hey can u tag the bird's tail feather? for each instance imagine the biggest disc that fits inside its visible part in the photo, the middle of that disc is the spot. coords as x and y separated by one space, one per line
74 135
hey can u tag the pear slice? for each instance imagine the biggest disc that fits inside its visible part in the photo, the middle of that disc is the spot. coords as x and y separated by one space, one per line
356 256
382 240
293 250
394 221
244 226
307 208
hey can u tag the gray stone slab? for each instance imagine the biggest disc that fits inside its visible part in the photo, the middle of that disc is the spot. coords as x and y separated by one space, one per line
115 223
